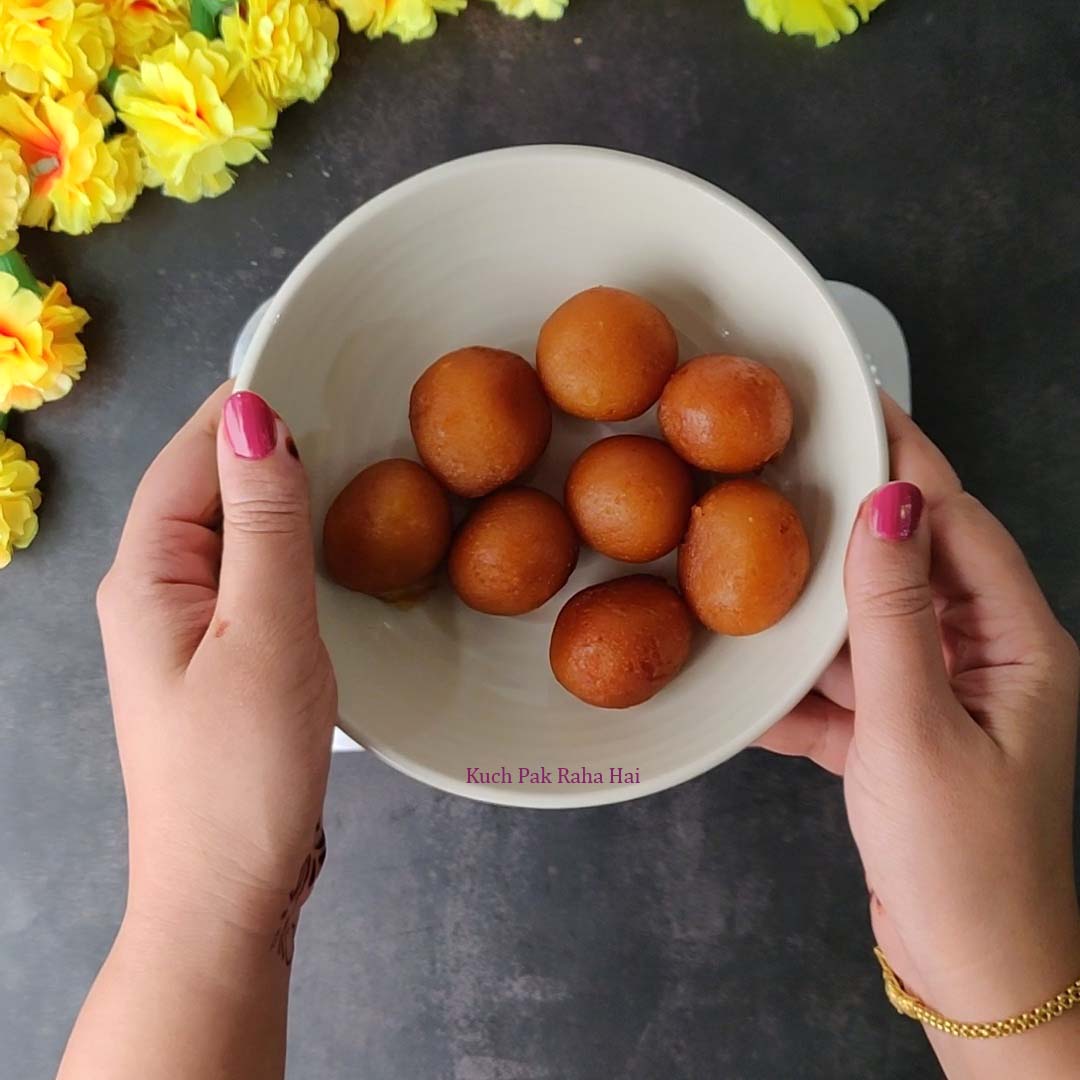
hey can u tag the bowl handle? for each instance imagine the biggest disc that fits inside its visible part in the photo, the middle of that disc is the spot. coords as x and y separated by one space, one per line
880 337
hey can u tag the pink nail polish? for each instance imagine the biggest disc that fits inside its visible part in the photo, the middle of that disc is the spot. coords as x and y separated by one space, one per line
249 425
894 511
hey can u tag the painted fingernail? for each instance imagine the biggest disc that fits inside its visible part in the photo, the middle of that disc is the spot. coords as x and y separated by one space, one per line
249 425
894 511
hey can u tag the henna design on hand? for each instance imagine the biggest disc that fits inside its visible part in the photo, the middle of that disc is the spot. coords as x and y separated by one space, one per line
284 939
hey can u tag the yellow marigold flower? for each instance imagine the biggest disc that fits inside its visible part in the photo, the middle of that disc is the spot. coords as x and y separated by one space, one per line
14 191
22 346
145 25
19 498
40 352
54 46
825 19
522 9
289 46
129 178
407 20
72 172
64 354
196 111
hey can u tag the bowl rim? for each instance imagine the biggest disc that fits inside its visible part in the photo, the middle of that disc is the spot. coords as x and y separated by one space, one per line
571 154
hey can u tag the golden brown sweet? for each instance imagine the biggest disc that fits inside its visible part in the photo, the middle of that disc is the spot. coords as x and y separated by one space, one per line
515 551
726 414
618 643
745 558
479 418
629 497
605 354
387 530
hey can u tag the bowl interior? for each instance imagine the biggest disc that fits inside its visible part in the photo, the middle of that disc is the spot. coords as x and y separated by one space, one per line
480 251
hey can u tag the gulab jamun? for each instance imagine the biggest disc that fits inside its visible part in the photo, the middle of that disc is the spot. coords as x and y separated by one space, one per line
479 418
387 530
616 644
726 414
605 354
629 497
745 558
514 552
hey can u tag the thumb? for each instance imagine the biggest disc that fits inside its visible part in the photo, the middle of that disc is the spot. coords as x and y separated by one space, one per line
897 664
267 563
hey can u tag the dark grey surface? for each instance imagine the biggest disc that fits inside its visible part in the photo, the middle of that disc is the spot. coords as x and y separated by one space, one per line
717 930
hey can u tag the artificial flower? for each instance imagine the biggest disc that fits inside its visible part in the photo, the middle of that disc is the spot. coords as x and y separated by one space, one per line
196 111
40 352
23 368
129 178
825 19
145 25
54 46
63 352
19 498
407 20
14 191
73 175
522 9
289 46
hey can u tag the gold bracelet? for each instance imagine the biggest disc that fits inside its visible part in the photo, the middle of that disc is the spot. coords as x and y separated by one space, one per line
909 1005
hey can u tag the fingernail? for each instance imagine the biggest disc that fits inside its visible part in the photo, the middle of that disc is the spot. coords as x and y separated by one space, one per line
894 511
249 425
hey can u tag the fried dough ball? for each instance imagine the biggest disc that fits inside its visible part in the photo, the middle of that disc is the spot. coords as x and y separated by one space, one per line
605 354
629 497
745 558
618 643
479 418
387 530
726 414
515 552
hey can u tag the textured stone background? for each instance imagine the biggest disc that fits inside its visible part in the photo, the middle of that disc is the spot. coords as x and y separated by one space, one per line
717 930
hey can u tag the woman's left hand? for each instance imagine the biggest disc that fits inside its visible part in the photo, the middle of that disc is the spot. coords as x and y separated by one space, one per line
222 691
224 702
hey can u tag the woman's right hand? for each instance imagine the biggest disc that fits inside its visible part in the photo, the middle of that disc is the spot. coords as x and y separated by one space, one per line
952 719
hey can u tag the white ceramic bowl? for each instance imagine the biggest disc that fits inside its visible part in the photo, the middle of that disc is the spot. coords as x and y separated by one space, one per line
480 251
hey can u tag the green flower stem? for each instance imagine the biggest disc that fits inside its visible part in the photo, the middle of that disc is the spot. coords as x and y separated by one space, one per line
205 15
14 264
3 421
